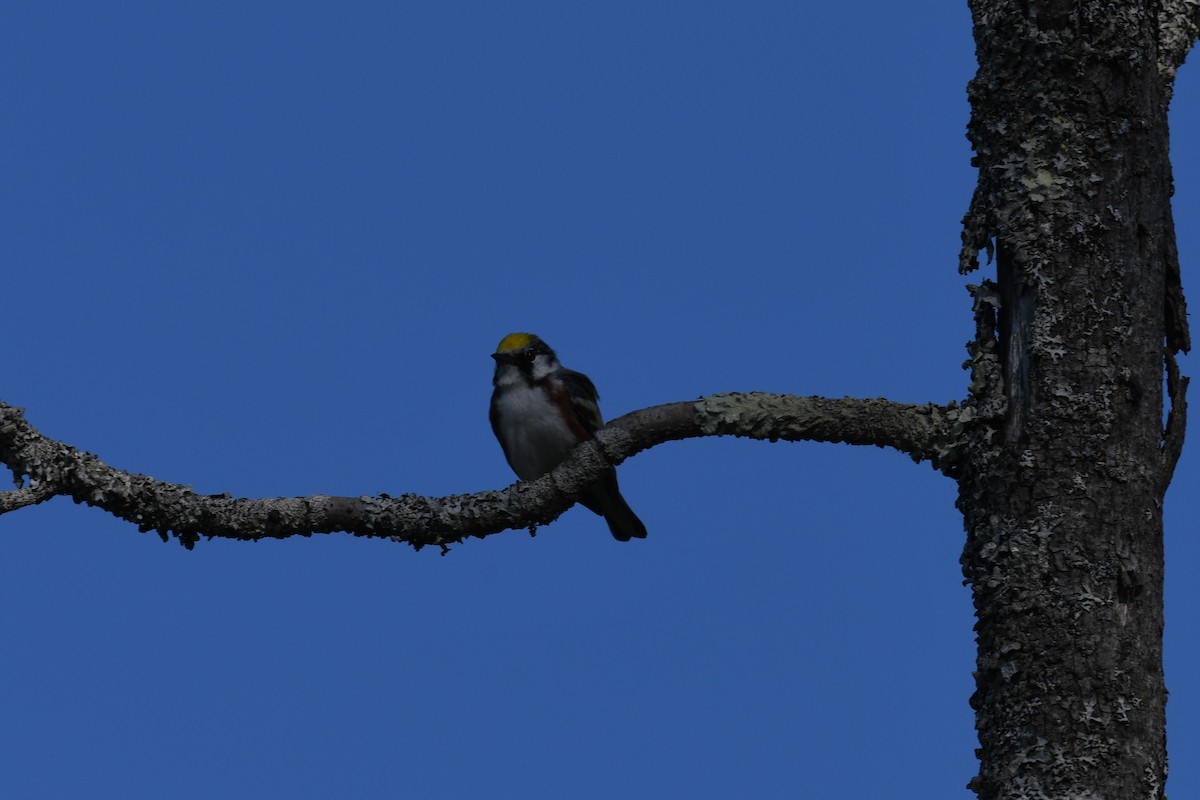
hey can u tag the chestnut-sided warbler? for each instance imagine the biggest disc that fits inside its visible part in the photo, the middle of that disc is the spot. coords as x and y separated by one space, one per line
540 411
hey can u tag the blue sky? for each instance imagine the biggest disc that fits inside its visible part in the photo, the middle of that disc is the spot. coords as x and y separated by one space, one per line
267 248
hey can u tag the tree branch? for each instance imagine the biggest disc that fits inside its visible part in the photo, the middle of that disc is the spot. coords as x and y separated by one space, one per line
26 496
925 432
1178 27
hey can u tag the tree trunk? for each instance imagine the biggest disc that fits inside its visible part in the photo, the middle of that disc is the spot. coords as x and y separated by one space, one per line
1063 485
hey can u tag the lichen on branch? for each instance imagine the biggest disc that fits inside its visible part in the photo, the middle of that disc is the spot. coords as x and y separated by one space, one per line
925 432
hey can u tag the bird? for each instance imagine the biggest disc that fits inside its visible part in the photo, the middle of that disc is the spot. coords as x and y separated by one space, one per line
540 412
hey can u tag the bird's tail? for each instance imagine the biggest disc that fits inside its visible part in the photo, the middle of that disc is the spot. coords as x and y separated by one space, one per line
605 499
623 523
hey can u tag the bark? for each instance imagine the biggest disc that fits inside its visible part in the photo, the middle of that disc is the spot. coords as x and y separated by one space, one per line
1063 484
1179 25
927 433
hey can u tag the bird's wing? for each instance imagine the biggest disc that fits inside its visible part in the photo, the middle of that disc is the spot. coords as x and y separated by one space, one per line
494 418
584 399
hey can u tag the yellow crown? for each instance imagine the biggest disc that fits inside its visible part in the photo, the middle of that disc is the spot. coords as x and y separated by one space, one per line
515 341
